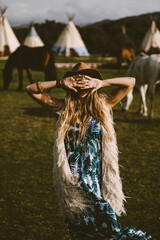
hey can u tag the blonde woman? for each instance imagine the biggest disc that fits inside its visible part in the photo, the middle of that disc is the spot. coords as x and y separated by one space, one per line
86 172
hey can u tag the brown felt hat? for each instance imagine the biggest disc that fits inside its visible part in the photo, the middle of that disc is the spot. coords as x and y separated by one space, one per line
83 69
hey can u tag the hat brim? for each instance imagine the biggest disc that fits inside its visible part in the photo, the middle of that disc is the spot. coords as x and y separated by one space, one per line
89 72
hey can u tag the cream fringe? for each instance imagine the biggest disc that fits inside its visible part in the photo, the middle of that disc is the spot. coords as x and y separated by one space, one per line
75 201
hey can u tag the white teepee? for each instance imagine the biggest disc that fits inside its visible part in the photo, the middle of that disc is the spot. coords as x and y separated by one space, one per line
70 42
151 39
32 39
8 40
124 30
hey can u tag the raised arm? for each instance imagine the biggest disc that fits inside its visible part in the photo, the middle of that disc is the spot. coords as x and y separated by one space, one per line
37 92
124 85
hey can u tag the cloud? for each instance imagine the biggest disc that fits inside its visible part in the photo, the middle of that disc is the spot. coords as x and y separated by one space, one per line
87 11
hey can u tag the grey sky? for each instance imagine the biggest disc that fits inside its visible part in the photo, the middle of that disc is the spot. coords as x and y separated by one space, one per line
87 11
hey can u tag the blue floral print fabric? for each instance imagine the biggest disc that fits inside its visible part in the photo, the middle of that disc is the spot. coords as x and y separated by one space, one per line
100 222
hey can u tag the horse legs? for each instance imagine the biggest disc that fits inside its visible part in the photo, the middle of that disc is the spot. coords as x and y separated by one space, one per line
20 73
143 106
119 62
28 70
126 102
151 93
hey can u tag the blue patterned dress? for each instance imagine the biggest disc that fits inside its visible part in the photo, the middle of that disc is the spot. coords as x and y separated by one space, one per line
100 222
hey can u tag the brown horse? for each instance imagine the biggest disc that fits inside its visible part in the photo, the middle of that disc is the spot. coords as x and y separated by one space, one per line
25 58
125 54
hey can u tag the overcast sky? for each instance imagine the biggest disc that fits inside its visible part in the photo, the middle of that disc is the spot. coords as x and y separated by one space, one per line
87 11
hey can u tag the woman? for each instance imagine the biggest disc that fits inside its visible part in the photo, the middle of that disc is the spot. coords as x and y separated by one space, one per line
86 173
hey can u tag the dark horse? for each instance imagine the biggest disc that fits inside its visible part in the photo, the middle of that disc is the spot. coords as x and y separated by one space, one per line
25 58
125 54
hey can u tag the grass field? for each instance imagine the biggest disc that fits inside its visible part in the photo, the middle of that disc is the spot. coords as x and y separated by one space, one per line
90 59
28 203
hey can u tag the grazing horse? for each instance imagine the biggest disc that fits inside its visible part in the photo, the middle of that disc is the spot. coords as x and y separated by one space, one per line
26 58
146 70
125 54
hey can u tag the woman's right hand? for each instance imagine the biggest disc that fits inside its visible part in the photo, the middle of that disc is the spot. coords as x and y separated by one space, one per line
70 83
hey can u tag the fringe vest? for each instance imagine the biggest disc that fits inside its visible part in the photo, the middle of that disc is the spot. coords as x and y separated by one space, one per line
72 200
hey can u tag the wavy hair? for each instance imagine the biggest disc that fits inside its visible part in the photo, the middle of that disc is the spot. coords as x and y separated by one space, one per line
75 112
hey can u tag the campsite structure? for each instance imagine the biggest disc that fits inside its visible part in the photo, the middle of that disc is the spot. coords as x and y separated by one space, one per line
151 39
124 30
8 40
32 39
70 42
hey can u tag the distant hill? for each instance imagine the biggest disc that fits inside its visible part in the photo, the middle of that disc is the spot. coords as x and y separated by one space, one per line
136 26
100 37
143 17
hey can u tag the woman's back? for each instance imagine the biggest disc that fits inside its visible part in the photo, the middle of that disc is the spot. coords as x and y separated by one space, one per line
86 171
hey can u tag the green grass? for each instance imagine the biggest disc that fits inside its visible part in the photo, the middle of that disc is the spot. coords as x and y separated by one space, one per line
90 59
28 203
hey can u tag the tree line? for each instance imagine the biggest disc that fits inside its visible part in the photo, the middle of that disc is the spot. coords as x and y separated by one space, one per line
103 38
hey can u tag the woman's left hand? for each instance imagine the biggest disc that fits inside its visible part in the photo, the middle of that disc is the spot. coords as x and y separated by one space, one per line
86 82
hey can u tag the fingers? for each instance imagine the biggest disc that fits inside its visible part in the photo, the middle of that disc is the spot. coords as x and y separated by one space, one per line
85 87
75 84
78 84
74 89
72 79
82 77
93 90
87 77
82 83
79 81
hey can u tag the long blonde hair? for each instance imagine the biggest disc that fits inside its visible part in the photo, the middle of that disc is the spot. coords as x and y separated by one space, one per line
76 112
72 199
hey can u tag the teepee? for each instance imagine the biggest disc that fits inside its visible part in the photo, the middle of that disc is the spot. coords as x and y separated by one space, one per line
32 39
70 42
151 39
8 40
124 30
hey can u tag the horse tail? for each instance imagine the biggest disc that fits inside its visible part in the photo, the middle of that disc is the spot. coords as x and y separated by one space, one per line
46 59
131 72
133 53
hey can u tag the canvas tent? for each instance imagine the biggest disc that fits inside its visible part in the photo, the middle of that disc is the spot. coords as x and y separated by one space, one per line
70 42
124 30
151 39
8 40
32 39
